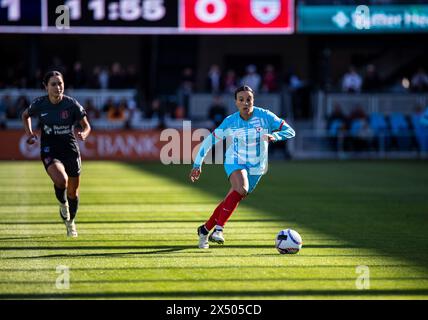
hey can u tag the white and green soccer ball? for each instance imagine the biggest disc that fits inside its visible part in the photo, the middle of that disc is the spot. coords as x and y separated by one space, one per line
288 241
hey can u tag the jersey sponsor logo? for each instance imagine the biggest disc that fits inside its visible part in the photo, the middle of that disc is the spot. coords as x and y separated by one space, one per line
64 114
66 129
47 129
265 11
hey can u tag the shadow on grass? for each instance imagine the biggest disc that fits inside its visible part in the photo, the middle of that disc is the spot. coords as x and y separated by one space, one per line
97 222
164 247
276 280
236 267
377 205
222 294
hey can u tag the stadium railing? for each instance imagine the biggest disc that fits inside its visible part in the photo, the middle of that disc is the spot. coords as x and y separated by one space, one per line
385 103
98 96
200 103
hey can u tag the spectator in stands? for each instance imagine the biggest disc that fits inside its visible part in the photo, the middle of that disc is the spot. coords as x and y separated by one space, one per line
299 93
419 82
2 115
351 81
214 82
6 104
91 111
336 127
78 80
270 81
131 78
103 78
186 88
230 81
217 111
36 79
22 103
251 78
116 80
14 110
358 131
371 81
337 116
93 79
156 109
108 105
118 112
58 65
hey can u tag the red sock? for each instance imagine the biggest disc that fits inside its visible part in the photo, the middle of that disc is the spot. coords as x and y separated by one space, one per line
212 221
229 205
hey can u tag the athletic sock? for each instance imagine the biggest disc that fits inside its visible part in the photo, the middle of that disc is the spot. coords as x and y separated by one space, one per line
203 230
73 206
60 194
212 221
230 203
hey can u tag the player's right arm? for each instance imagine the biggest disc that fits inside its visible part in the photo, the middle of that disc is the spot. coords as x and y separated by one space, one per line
26 120
216 136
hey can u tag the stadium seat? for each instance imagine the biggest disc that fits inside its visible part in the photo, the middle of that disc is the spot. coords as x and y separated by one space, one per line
334 128
420 131
380 129
400 131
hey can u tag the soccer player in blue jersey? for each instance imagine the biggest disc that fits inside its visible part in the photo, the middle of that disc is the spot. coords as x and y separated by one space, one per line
247 133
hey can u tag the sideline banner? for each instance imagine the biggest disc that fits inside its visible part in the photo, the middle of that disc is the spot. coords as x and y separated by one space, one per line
110 145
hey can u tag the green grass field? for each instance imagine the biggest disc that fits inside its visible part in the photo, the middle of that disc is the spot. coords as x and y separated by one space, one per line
137 233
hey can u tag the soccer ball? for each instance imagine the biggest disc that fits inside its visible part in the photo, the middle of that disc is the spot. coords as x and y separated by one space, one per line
288 241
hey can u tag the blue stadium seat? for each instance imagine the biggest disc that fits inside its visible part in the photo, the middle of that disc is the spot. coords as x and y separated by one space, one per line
356 126
400 130
421 132
378 123
334 128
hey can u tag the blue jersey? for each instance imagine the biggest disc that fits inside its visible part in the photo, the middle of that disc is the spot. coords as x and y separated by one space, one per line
244 142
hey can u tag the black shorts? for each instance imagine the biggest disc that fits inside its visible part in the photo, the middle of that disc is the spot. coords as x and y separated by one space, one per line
72 163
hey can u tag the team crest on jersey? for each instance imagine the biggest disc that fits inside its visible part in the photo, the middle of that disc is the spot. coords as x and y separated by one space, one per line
64 114
265 11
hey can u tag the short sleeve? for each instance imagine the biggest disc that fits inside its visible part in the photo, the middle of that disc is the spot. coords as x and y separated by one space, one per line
79 111
34 109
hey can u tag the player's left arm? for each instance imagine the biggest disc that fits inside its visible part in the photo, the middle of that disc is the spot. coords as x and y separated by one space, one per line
280 129
86 129
80 115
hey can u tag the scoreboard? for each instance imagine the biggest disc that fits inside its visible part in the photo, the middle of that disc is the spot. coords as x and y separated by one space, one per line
147 16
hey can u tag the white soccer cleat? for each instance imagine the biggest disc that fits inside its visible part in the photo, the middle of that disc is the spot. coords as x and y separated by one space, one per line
71 228
203 239
217 236
64 211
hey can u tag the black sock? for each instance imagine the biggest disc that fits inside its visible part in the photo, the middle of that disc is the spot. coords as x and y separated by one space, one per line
203 230
73 205
60 194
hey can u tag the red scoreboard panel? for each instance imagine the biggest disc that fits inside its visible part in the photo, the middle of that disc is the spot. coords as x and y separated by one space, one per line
238 16
147 16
